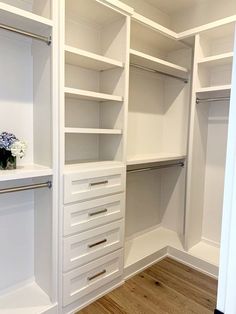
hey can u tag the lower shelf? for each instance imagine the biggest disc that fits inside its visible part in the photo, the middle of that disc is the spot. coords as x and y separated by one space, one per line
30 299
143 246
206 252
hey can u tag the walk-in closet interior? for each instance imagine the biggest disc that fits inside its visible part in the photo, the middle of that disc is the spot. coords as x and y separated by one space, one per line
124 106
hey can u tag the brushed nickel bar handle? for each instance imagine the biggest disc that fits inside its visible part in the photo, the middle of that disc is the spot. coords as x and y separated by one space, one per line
98 212
97 275
98 183
97 243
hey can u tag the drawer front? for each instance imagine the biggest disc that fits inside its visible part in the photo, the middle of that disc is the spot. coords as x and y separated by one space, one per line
92 276
91 214
90 184
87 246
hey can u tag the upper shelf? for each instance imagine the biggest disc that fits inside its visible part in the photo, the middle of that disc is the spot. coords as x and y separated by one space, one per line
212 61
92 131
89 95
90 60
147 61
25 172
157 158
24 20
214 91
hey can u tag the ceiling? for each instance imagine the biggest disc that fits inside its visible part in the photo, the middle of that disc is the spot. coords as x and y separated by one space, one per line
171 6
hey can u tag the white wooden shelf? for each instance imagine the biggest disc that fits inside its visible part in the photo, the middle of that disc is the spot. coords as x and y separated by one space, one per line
144 159
74 167
90 60
89 95
142 246
25 172
212 61
214 91
24 20
26 300
143 60
92 131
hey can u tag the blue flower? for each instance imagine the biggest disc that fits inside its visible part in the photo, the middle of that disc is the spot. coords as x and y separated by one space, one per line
6 140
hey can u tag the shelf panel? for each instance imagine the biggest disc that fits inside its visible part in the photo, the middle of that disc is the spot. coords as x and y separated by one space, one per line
25 172
157 64
214 91
90 60
26 300
89 165
92 131
24 20
212 61
144 159
137 249
89 95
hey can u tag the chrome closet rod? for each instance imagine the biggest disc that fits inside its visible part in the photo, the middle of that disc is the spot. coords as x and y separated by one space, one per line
198 100
27 187
180 164
159 72
45 39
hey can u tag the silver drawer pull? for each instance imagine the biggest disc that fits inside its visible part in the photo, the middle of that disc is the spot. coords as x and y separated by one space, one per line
98 212
98 183
97 243
97 275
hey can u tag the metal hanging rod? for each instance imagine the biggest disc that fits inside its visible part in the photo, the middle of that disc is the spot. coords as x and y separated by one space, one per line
159 72
178 164
27 187
45 39
198 100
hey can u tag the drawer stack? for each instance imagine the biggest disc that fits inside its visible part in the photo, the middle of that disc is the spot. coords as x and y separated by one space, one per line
93 229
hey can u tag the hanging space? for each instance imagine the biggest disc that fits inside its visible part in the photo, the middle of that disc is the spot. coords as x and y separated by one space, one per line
158 118
27 194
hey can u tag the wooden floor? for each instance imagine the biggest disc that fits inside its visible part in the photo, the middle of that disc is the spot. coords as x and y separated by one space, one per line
166 287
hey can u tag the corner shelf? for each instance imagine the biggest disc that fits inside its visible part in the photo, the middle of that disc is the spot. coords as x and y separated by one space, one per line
90 60
214 91
24 20
92 131
89 95
25 172
26 300
158 158
157 64
217 60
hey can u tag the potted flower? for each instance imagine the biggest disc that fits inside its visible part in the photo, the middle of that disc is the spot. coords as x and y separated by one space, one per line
10 148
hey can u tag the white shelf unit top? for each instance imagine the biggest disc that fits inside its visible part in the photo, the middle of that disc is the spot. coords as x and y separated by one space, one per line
144 159
89 60
153 25
24 20
214 91
89 95
149 243
25 172
212 61
206 252
143 60
26 300
92 131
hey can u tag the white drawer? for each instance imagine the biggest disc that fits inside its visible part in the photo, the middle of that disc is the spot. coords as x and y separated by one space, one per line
93 183
87 246
91 214
92 276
